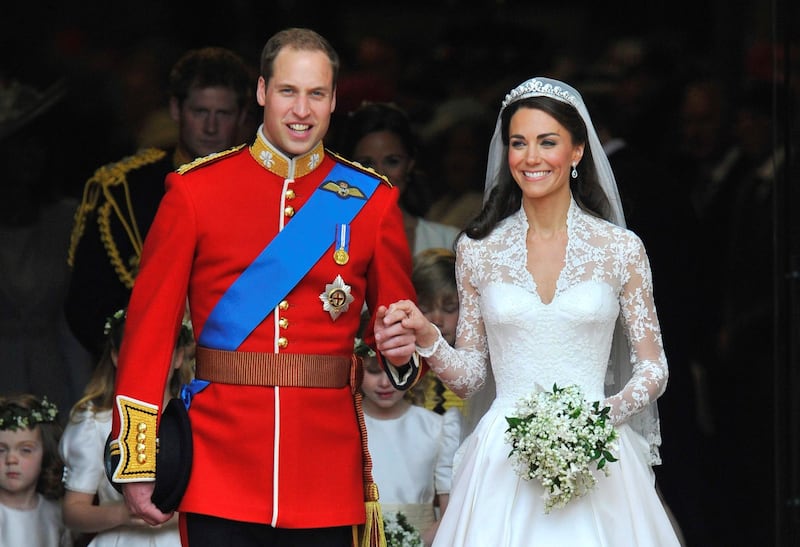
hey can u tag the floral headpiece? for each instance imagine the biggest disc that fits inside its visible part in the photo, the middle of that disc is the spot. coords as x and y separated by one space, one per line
113 321
362 349
14 416
534 87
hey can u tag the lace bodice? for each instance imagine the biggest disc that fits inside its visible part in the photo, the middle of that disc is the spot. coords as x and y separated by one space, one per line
606 275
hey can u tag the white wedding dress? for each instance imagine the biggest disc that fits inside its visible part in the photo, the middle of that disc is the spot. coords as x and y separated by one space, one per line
565 341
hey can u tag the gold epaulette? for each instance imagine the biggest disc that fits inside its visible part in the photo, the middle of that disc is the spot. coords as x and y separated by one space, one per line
211 158
137 440
356 165
105 177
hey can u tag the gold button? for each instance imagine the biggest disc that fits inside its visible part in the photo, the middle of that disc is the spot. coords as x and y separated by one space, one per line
140 448
142 427
283 322
141 458
290 194
141 437
289 211
284 305
283 342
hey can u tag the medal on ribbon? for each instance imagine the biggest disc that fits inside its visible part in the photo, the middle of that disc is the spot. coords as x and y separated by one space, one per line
342 246
337 298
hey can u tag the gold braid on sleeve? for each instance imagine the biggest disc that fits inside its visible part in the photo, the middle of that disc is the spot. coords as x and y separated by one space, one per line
137 442
91 191
102 182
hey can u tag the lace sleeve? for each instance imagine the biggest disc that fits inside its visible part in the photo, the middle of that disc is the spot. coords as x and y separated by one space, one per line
649 364
463 368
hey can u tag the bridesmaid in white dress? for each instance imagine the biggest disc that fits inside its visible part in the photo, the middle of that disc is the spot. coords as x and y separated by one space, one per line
556 290
412 449
82 447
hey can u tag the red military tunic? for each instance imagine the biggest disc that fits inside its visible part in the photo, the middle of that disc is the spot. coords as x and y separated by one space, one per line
285 456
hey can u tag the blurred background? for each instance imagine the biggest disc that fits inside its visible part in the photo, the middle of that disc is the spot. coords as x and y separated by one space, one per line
704 95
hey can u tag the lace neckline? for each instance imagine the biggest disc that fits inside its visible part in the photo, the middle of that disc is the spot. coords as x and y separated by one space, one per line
522 221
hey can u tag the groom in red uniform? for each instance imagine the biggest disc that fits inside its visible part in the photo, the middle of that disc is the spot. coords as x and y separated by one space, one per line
277 246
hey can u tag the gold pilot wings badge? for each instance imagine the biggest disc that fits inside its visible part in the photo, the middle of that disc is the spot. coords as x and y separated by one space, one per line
343 189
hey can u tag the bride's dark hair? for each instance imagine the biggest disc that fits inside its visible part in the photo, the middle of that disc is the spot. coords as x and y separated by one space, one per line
506 197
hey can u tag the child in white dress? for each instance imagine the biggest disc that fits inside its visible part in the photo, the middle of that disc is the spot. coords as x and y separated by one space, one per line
411 447
30 474
82 448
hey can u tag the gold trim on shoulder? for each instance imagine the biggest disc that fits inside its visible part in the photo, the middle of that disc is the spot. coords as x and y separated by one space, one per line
137 440
179 157
274 161
360 167
210 158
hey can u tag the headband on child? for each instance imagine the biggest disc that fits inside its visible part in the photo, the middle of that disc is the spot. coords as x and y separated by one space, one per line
14 417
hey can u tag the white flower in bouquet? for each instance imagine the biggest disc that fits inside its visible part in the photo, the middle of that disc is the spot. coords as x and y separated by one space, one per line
557 437
399 532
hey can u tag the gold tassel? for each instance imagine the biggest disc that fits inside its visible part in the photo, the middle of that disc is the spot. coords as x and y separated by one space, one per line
373 534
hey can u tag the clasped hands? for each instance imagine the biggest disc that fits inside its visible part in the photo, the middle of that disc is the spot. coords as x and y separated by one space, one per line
400 328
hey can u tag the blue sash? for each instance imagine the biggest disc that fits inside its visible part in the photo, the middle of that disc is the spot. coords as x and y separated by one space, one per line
287 258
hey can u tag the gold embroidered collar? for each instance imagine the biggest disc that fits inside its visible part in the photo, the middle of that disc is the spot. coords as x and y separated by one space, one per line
276 162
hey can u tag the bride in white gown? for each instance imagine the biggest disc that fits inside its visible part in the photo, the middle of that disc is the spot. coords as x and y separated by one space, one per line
551 292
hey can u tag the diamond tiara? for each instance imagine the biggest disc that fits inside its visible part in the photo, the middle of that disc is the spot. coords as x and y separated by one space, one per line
534 87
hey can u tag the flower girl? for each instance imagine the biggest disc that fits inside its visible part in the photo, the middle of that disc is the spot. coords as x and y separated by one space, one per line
82 448
30 473
412 450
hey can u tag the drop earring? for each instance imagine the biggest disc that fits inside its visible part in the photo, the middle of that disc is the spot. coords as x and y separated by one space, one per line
574 171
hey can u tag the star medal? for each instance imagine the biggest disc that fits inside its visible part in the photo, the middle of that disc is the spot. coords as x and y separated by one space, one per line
336 298
340 255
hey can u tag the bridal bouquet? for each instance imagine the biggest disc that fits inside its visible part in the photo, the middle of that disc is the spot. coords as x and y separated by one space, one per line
556 437
399 532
